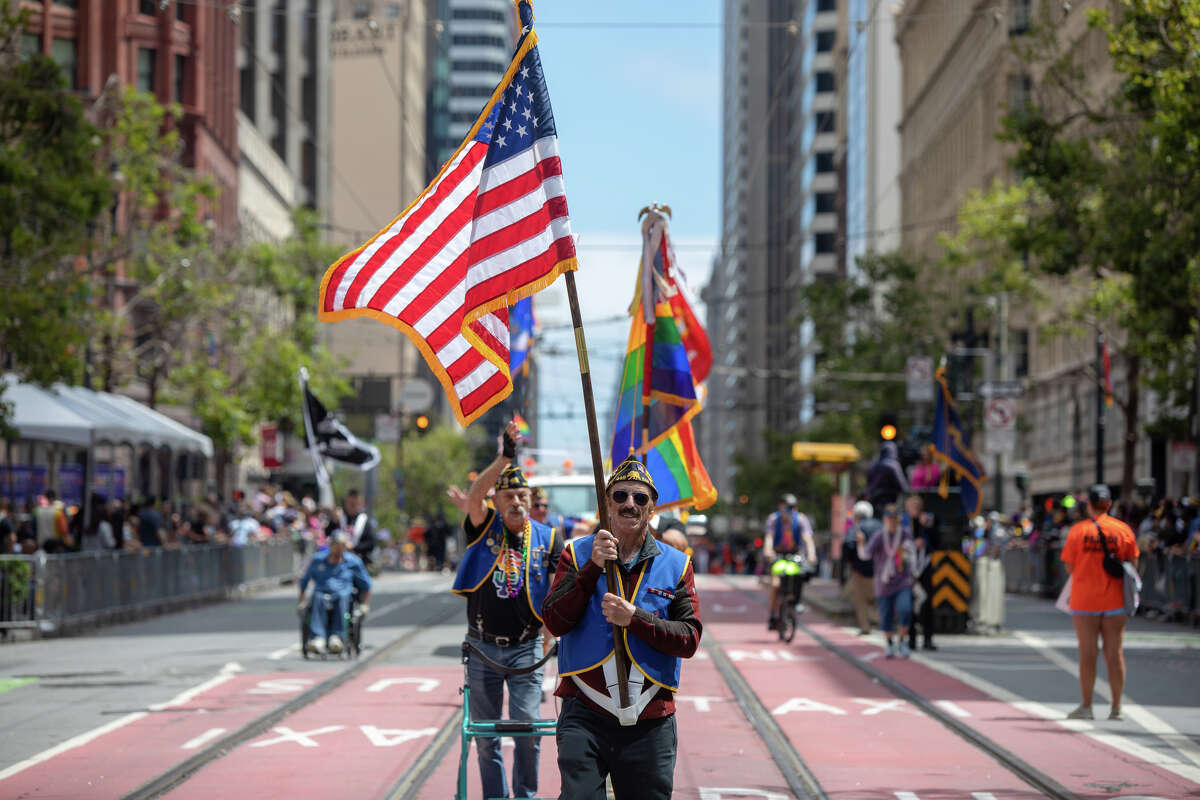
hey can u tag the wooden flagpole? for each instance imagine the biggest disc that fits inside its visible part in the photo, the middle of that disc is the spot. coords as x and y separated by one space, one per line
589 406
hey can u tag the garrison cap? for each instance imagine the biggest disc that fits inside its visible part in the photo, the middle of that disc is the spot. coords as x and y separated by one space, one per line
632 470
512 478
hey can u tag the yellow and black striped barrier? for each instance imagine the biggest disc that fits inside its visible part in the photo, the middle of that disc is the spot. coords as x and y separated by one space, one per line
951 583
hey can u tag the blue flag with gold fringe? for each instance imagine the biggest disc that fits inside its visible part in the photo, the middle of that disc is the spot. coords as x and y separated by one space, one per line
952 448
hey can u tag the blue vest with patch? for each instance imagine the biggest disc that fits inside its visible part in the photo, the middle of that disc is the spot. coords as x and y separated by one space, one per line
479 562
590 643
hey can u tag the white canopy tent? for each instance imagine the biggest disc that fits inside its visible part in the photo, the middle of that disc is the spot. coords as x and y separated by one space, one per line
83 418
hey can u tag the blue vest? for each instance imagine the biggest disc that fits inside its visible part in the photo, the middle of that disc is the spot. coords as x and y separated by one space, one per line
590 643
479 562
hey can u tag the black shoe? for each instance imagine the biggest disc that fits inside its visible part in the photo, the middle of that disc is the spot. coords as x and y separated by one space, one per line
929 646
773 624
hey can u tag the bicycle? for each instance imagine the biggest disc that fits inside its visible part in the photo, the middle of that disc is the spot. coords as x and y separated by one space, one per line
793 571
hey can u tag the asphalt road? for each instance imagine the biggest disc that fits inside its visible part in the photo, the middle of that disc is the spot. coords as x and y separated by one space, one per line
99 715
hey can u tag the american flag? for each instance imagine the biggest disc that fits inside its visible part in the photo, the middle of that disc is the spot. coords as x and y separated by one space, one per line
491 228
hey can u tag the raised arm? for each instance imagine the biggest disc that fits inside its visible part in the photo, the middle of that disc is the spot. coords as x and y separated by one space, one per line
476 505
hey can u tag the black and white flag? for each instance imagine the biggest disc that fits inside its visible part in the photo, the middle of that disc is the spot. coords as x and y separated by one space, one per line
328 438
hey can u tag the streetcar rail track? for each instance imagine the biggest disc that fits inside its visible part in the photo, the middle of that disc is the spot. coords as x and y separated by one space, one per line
184 770
1031 775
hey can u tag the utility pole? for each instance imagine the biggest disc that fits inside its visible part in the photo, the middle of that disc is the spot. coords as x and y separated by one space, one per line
1100 408
1002 371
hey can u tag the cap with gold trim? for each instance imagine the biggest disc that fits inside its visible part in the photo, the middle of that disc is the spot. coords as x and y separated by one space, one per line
632 470
512 478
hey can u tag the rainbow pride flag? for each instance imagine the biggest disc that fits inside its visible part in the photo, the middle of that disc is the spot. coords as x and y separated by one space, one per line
678 473
523 426
660 391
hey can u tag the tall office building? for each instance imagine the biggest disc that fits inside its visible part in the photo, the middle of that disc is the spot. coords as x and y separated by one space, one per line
377 164
779 220
481 38
283 62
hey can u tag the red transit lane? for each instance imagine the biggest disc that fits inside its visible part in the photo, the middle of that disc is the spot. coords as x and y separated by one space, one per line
357 741
150 742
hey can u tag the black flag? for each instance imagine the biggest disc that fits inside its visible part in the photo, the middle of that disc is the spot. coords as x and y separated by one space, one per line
331 438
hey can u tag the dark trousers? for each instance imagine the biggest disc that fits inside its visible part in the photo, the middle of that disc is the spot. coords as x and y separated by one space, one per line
591 745
923 615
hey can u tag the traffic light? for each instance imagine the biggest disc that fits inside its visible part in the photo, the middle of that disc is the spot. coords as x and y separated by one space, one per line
887 427
422 423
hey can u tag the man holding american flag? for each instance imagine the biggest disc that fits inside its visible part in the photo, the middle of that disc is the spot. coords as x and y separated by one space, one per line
491 229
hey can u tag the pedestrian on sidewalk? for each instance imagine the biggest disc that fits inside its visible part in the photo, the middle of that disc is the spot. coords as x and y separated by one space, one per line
862 570
1097 600
924 531
891 551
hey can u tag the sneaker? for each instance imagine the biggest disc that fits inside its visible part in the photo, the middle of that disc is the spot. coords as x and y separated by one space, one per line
773 624
1115 713
316 645
335 644
929 646
904 650
891 651
1082 712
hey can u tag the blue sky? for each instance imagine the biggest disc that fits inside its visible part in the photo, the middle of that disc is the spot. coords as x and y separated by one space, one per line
636 92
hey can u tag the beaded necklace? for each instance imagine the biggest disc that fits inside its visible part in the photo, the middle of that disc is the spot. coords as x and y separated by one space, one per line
513 588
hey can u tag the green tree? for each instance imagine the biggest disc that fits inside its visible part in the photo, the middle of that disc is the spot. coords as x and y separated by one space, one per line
1111 183
52 190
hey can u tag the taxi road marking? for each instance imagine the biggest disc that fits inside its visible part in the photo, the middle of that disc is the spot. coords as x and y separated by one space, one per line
204 738
302 738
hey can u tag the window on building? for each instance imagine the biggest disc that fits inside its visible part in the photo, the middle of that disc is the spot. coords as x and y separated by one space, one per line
826 5
308 98
363 8
147 57
1020 91
478 39
826 40
65 54
473 65
471 91
177 91
370 396
826 202
825 242
824 162
826 122
491 15
1020 353
31 44
826 82
148 7
246 93
67 3
1020 17
180 10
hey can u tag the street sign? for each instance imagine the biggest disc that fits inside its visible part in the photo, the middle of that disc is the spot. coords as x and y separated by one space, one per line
387 428
416 395
918 372
989 389
1000 424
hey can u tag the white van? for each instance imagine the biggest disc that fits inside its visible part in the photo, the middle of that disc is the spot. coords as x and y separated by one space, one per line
569 495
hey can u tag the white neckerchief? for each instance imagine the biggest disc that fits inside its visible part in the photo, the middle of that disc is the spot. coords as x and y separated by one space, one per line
890 547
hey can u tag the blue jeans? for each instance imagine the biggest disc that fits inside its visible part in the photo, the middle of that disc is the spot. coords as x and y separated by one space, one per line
487 700
895 609
333 611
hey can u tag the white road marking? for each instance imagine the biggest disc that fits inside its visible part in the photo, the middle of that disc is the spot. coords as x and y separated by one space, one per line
1123 744
983 796
302 738
953 708
390 737
702 704
1139 714
204 738
225 674
906 796
875 707
71 744
281 686
714 793
423 684
283 652
805 704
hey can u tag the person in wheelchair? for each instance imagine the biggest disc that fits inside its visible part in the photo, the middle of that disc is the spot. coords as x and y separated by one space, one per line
336 575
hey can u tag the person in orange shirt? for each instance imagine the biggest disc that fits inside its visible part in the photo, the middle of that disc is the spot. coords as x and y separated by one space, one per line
1097 599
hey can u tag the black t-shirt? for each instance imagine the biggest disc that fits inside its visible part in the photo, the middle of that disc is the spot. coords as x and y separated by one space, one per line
499 614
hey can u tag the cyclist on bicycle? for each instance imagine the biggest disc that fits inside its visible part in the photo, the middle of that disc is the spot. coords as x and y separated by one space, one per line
787 532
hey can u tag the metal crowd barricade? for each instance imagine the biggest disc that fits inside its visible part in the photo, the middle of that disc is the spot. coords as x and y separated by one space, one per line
1170 581
52 592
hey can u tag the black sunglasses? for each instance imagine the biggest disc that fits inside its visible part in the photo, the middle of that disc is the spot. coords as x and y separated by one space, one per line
620 496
